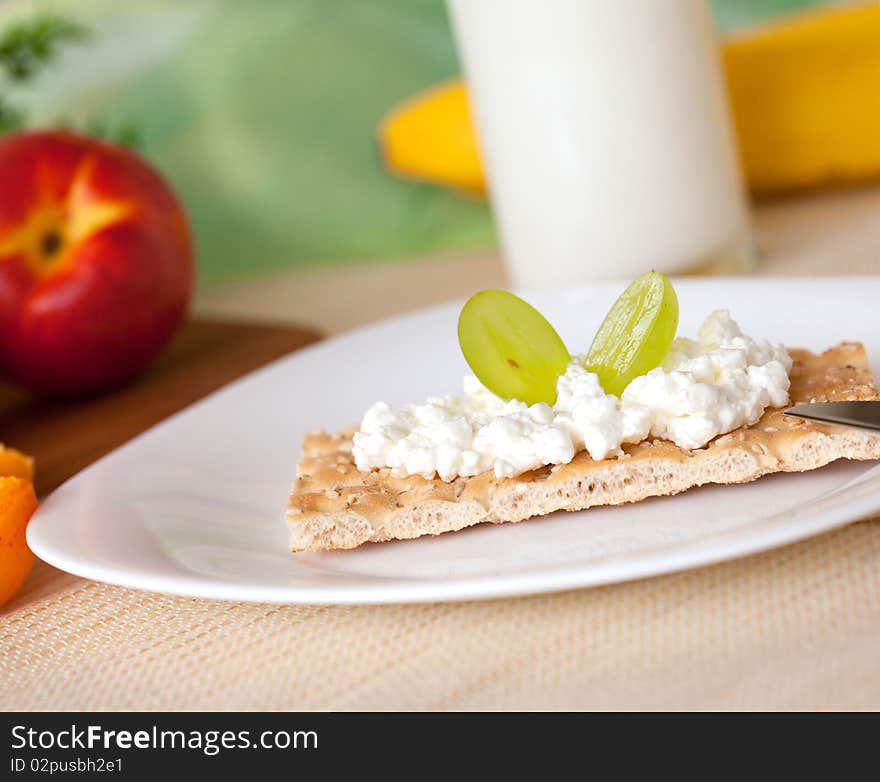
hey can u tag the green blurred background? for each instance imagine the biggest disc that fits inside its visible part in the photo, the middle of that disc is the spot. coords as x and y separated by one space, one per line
263 113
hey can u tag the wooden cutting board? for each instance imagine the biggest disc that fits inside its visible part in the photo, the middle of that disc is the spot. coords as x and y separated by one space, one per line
65 437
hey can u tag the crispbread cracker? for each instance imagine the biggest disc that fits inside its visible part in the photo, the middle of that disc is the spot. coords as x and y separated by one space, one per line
334 506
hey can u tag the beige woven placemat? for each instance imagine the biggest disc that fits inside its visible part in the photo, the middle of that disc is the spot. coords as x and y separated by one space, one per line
798 628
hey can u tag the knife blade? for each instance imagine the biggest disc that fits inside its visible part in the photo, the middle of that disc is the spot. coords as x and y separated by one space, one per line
865 415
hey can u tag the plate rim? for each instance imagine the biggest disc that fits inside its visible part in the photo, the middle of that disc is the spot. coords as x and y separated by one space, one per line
683 555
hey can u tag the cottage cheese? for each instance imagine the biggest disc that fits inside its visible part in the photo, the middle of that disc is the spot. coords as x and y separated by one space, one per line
721 381
712 385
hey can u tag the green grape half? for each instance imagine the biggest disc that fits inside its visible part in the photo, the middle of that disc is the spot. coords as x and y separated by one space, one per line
511 347
636 333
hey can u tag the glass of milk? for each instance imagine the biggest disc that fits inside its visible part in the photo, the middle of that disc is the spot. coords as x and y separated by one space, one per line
606 137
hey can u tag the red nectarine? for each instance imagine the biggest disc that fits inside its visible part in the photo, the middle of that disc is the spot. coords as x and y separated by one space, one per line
95 263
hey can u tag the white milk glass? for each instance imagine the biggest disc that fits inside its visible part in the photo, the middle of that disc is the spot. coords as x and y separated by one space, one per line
605 132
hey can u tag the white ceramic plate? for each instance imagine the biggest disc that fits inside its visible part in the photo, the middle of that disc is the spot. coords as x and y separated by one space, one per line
195 505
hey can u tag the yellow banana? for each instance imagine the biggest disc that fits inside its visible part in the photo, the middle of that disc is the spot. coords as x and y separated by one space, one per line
431 137
804 94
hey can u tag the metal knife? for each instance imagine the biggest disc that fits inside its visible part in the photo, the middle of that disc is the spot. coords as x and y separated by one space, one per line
865 415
